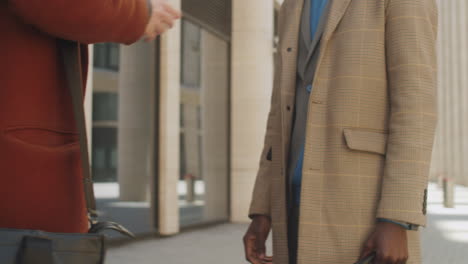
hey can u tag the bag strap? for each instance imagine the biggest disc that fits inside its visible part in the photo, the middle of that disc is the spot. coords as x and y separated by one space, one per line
72 63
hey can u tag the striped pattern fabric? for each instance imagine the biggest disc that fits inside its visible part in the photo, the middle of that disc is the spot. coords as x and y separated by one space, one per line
370 128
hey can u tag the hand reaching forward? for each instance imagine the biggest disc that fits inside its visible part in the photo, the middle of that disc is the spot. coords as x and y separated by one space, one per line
163 17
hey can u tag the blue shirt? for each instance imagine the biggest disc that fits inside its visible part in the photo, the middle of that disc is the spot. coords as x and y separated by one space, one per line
316 11
317 8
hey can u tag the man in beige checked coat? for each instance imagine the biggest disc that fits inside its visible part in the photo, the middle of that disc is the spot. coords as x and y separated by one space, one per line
368 125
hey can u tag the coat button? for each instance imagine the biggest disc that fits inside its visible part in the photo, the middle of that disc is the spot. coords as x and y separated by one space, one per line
289 49
288 108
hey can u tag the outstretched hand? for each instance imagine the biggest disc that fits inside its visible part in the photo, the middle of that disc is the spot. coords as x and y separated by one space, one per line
163 18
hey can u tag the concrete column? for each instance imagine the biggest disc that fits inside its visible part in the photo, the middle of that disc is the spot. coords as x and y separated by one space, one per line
463 89
136 121
448 86
451 150
169 129
438 171
215 69
442 82
437 157
449 193
88 104
252 82
454 92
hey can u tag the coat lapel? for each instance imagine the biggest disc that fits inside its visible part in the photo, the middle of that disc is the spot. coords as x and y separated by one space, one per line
305 24
318 35
332 16
337 10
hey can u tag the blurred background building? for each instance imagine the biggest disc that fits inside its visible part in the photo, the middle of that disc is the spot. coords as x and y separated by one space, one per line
177 125
451 149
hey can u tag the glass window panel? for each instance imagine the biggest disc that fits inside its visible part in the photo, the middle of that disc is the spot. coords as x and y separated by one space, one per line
107 56
114 158
183 157
104 144
200 157
126 199
191 56
199 117
182 115
203 186
99 158
114 56
100 55
105 106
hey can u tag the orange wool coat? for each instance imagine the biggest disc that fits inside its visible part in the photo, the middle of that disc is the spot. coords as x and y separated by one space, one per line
40 181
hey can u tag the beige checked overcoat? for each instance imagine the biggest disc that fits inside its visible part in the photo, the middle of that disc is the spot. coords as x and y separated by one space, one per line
370 128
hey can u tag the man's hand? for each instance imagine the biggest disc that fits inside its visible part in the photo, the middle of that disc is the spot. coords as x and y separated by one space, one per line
163 17
390 242
255 239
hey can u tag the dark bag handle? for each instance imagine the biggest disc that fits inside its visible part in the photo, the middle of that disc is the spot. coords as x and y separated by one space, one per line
72 64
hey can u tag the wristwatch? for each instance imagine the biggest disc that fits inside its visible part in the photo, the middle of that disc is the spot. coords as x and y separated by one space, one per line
407 226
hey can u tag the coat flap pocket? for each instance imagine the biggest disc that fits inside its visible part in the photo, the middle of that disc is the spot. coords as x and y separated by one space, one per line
365 140
39 137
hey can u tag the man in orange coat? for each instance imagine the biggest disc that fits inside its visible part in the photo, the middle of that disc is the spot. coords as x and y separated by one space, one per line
40 179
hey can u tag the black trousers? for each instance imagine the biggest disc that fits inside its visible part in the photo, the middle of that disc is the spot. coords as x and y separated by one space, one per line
293 232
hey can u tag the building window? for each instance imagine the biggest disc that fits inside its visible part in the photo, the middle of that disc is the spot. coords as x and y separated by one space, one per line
105 106
104 154
105 109
199 117
182 116
183 160
200 156
107 56
204 153
191 57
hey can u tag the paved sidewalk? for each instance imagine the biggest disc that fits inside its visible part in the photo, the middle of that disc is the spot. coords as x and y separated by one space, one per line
216 245
445 242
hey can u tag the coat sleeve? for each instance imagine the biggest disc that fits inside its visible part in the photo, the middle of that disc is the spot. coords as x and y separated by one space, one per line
86 21
260 204
261 199
411 29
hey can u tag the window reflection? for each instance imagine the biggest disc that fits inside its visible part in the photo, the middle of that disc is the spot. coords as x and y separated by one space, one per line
203 179
191 54
107 56
114 185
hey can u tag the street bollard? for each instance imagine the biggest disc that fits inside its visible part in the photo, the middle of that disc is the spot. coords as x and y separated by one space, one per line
449 193
440 181
190 182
